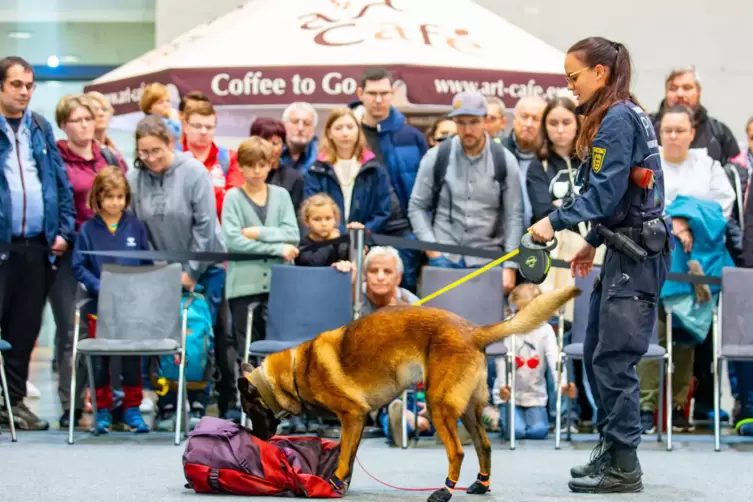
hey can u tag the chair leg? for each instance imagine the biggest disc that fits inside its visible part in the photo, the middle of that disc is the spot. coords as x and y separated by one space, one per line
660 403
511 404
404 421
249 322
558 407
669 399
179 398
93 390
717 383
186 411
6 398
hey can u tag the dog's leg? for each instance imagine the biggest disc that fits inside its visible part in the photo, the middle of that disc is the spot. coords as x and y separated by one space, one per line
350 438
445 422
472 421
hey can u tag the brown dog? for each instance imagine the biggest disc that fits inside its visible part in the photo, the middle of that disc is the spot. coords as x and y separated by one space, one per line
364 365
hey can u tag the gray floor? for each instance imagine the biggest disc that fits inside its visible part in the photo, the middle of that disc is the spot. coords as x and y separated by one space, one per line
42 467
125 467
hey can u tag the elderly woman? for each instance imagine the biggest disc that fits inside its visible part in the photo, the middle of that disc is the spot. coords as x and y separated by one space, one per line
83 156
700 198
103 112
172 195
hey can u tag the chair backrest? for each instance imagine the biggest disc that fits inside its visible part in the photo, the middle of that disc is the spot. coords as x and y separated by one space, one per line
582 305
139 302
480 300
736 316
306 301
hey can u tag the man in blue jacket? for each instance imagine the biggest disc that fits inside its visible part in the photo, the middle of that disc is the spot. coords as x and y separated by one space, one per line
36 213
398 147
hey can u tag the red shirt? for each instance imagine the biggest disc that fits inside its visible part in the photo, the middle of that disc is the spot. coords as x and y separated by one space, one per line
221 181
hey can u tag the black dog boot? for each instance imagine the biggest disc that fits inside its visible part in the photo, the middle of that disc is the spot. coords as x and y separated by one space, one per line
480 486
445 493
621 474
599 456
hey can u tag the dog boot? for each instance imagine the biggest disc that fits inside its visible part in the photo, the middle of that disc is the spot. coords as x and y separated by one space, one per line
599 456
621 474
133 419
104 421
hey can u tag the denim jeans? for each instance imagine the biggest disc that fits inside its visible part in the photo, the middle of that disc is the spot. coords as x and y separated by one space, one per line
530 423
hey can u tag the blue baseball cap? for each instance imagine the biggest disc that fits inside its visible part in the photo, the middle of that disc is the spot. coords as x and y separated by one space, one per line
469 103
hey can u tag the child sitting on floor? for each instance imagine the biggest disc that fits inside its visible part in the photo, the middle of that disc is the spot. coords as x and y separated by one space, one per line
111 229
320 214
533 353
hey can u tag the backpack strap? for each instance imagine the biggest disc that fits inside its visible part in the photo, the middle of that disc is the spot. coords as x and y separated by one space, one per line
110 157
440 170
40 122
500 174
223 157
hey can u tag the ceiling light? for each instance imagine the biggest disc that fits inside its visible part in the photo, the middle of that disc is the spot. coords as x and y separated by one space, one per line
69 59
53 62
21 35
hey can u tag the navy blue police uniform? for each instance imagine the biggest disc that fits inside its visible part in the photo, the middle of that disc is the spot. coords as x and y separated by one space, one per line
624 305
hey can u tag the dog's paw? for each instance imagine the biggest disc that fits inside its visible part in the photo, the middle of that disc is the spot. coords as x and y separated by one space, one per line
442 495
477 488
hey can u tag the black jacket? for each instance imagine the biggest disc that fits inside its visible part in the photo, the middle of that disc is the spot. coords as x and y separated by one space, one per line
291 180
538 181
316 254
710 133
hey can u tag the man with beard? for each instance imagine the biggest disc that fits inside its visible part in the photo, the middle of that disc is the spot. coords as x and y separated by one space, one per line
524 141
473 208
301 146
683 87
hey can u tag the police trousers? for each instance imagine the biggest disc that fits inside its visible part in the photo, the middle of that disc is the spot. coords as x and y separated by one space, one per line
621 319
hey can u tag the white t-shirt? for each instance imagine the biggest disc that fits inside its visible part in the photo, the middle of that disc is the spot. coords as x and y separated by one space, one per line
346 171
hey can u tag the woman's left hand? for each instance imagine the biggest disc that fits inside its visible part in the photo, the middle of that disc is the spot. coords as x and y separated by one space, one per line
542 230
354 225
343 266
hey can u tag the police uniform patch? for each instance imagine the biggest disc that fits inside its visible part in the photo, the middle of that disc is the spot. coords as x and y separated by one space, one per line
597 158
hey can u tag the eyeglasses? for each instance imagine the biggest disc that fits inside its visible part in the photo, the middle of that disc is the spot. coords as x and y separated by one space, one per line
146 154
199 127
18 85
572 77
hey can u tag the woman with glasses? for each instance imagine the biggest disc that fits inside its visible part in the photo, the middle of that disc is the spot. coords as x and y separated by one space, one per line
616 135
83 158
172 195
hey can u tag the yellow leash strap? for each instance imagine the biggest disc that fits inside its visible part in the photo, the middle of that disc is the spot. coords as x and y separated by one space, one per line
468 277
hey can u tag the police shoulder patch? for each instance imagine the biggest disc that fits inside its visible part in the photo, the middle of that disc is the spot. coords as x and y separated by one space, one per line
597 158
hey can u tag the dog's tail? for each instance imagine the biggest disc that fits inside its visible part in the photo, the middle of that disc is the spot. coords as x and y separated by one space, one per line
539 310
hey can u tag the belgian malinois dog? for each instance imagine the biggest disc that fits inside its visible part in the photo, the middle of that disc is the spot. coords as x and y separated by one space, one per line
367 363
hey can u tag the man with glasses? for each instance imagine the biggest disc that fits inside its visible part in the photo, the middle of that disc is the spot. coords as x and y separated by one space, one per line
473 207
36 204
199 127
301 144
496 121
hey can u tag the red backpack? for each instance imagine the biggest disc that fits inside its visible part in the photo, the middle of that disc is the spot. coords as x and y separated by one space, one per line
222 457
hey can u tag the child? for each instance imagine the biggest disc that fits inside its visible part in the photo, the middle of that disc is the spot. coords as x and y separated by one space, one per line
533 352
111 229
256 218
321 215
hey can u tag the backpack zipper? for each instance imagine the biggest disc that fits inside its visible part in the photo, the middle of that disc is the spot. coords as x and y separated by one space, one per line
23 185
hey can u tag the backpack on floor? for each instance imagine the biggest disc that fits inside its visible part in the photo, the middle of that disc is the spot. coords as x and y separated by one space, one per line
199 346
223 457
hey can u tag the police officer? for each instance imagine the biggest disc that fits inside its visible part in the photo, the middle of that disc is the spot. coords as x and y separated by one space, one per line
623 197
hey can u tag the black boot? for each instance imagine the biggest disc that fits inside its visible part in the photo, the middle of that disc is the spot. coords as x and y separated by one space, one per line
621 474
599 456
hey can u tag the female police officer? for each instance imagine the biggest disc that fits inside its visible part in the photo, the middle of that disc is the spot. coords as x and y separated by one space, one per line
623 197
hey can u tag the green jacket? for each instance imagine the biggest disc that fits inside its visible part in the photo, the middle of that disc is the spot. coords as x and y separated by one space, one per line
252 277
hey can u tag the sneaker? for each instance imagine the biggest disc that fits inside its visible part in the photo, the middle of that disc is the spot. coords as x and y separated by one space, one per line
196 414
32 392
599 457
297 425
165 421
65 418
133 420
23 418
490 417
679 422
647 422
104 421
313 426
233 414
147 405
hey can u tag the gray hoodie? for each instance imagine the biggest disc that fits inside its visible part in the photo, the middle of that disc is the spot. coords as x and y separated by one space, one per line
178 209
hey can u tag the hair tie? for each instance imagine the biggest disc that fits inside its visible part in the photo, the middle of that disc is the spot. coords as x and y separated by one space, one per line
615 45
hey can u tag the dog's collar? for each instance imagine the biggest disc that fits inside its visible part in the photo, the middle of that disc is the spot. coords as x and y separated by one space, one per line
267 394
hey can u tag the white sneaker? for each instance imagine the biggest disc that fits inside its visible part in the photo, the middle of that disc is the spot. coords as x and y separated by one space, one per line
147 405
32 392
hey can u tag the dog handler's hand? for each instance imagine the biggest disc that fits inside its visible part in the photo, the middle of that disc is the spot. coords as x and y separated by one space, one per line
583 261
542 230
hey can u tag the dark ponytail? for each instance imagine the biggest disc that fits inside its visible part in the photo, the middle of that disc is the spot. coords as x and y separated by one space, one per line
616 59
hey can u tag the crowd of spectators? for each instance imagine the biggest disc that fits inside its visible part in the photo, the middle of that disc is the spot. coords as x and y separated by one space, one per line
467 181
